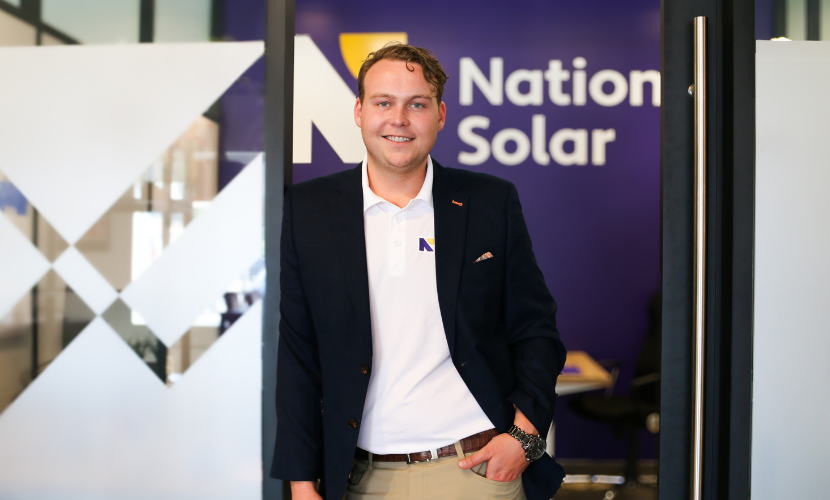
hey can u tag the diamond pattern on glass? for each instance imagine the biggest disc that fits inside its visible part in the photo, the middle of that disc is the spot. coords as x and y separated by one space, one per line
129 239
169 364
156 209
239 298
134 331
21 264
35 331
86 281
57 274
29 221
99 142
220 245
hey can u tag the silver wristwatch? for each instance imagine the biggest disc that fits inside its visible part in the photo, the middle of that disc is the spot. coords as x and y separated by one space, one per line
534 446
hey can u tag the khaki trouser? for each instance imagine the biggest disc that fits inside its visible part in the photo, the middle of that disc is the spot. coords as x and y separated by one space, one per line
440 479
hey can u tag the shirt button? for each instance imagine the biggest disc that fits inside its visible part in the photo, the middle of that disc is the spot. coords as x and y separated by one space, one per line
397 243
352 423
398 220
364 369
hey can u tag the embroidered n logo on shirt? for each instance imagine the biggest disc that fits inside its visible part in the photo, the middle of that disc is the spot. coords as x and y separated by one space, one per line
426 244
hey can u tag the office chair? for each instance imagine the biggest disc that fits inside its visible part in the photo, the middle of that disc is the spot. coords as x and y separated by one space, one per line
641 407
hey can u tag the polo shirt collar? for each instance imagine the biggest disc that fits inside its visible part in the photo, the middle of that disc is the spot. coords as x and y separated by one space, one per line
370 199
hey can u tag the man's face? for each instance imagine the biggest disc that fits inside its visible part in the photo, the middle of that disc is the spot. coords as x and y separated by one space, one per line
399 117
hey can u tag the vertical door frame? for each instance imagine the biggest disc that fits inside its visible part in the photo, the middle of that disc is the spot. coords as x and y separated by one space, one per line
279 119
730 219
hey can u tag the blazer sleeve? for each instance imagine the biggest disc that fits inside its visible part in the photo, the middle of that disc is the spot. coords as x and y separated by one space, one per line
538 353
298 454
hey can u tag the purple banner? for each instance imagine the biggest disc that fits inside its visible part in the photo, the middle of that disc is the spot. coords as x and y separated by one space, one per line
562 99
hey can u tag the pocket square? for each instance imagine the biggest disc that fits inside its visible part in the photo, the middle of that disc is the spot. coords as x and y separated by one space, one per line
484 256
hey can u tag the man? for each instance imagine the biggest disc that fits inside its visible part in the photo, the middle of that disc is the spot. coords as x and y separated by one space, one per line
416 329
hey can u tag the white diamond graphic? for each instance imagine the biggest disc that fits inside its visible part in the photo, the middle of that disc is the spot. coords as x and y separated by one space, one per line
217 247
85 280
21 265
101 116
205 368
321 97
91 426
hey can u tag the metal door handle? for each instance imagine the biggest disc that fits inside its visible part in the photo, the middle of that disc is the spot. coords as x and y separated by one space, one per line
699 306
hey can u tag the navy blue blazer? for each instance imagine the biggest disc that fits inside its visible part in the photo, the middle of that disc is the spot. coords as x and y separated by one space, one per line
498 314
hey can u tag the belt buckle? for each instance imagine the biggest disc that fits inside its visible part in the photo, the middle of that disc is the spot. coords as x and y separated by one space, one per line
433 455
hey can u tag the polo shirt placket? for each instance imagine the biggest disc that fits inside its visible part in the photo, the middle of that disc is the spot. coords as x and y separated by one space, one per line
416 399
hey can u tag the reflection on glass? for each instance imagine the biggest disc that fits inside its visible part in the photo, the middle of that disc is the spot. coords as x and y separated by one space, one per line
174 190
824 22
11 198
94 21
796 19
149 348
35 331
176 225
243 293
29 221
44 320
15 32
148 236
121 245
792 20
47 39
182 21
170 364
156 208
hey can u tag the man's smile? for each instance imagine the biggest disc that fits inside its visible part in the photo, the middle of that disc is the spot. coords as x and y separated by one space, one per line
398 138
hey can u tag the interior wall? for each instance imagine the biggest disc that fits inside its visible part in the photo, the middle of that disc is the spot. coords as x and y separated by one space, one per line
790 436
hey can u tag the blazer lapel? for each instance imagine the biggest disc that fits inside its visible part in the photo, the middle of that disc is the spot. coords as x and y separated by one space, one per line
450 234
347 213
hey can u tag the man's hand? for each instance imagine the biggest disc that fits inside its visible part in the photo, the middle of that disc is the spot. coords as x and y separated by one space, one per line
505 458
306 490
504 454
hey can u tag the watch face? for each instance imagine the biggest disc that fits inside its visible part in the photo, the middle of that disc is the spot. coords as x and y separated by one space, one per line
537 448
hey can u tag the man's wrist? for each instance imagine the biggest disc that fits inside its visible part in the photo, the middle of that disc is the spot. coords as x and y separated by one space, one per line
522 422
532 444
303 486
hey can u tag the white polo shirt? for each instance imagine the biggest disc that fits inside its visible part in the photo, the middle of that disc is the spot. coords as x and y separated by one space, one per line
416 399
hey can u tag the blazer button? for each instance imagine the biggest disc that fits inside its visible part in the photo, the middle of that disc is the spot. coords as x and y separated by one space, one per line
353 423
364 369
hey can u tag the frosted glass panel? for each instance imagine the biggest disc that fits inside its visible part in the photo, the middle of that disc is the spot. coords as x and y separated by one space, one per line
131 274
94 21
182 21
163 89
790 435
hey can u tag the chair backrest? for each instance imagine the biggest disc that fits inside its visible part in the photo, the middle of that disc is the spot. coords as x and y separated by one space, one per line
648 362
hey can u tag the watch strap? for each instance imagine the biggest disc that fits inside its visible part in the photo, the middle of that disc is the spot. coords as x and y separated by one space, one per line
527 440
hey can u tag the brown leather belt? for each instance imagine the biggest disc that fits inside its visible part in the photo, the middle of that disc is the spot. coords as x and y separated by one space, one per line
468 444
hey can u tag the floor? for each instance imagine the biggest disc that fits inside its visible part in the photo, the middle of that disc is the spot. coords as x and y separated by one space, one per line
598 480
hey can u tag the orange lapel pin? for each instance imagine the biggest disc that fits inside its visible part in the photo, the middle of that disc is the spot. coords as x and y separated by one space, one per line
458 203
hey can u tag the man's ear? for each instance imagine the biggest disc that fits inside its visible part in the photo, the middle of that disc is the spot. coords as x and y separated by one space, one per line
357 110
442 115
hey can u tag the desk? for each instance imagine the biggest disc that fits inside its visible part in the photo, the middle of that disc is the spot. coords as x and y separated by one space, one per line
581 373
